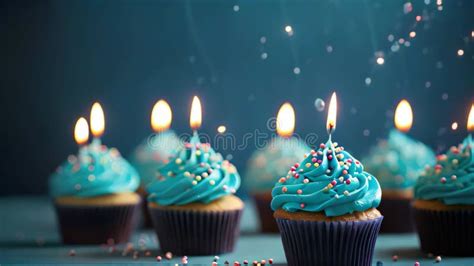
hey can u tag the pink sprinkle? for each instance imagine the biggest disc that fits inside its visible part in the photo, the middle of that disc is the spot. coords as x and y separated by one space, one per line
344 172
168 255
236 263
284 189
320 161
302 205
349 160
225 187
299 191
214 263
246 262
394 257
330 157
417 264
306 181
438 167
443 180
313 152
282 180
184 260
72 253
270 261
357 162
297 165
293 168
314 160
297 175
333 182
158 258
322 146
348 182
263 262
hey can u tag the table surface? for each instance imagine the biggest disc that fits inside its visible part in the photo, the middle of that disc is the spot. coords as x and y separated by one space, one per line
28 235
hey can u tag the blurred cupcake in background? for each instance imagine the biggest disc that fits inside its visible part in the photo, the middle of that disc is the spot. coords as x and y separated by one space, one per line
93 191
156 150
397 162
192 203
444 201
267 165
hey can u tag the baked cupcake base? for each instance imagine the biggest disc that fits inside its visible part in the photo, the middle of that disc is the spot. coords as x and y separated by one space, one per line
95 220
315 239
198 228
265 213
396 207
445 229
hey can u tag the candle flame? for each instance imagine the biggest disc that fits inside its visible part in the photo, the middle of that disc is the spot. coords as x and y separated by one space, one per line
195 118
285 121
470 119
403 116
161 116
332 114
81 131
97 120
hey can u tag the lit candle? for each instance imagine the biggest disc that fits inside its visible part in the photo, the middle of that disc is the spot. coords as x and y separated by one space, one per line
332 115
403 116
161 116
195 118
97 121
285 122
470 120
81 135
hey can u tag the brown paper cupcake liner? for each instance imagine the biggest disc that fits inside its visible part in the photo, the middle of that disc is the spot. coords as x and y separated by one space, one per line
196 232
446 232
329 243
265 213
96 224
396 213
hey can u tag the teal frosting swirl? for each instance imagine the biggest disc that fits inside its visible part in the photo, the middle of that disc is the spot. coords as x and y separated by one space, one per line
451 179
267 165
196 174
328 180
153 153
398 161
95 171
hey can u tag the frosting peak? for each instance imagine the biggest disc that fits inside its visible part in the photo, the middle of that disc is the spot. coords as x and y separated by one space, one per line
451 180
196 174
95 171
328 180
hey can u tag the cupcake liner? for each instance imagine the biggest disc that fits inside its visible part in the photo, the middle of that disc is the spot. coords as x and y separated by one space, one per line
446 232
395 212
196 232
146 218
96 224
265 213
329 243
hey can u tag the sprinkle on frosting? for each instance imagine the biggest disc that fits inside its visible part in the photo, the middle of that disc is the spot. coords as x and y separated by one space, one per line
451 179
95 171
398 161
337 185
196 174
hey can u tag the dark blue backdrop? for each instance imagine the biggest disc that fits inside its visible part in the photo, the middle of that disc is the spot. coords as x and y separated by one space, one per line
57 57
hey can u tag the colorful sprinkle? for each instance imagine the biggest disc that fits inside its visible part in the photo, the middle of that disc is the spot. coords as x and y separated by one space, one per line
168 255
348 182
394 257
438 259
302 205
443 180
284 189
306 181
212 182
299 191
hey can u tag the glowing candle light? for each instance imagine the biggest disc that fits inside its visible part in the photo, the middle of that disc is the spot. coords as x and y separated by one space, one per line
97 120
161 116
285 122
221 129
470 119
81 131
195 118
332 114
403 116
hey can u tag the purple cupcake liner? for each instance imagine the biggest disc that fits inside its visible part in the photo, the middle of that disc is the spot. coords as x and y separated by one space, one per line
196 232
96 224
446 232
396 213
265 215
329 243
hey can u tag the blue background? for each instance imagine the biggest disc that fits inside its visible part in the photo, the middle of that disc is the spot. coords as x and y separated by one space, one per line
57 57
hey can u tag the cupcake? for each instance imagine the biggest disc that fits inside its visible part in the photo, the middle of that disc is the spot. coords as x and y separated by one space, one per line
94 195
325 207
191 202
264 168
397 162
444 203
